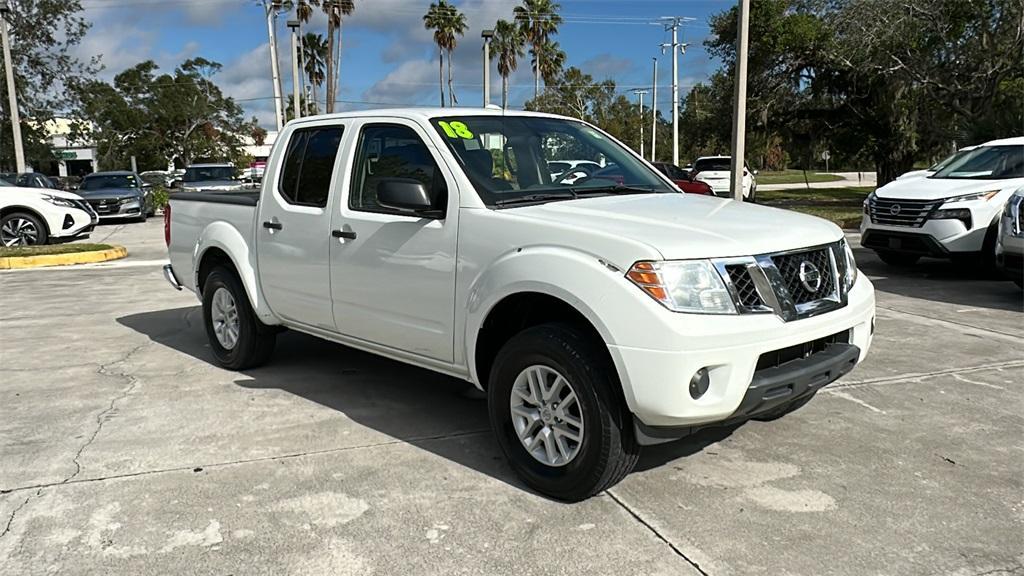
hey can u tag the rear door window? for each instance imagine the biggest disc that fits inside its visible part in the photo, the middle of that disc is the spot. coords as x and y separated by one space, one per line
309 165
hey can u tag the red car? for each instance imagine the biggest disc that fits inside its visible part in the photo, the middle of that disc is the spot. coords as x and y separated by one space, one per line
682 179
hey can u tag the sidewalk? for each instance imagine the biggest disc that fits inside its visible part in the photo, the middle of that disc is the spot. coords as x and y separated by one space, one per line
849 179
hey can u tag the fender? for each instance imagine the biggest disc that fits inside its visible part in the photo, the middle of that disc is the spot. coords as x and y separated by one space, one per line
227 238
578 278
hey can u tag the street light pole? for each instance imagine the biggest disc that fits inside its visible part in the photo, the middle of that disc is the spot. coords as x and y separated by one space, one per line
739 114
640 94
487 35
293 25
654 113
271 8
12 95
672 23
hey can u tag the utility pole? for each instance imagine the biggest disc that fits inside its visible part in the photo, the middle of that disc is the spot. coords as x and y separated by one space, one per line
640 94
12 94
739 113
672 23
487 35
271 9
293 25
654 113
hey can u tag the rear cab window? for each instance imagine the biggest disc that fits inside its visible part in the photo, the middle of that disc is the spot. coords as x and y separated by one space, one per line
309 165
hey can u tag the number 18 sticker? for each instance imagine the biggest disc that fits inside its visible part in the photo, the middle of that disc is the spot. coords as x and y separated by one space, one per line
456 130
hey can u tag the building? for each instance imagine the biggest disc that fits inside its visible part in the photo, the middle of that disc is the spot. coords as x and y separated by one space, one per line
74 158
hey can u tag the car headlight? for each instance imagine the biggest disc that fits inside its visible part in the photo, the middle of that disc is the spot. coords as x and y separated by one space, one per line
56 201
850 270
868 201
961 214
683 286
976 196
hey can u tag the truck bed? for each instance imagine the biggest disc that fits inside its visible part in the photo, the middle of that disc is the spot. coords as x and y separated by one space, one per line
244 198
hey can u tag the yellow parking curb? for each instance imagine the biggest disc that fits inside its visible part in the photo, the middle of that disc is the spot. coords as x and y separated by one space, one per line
11 262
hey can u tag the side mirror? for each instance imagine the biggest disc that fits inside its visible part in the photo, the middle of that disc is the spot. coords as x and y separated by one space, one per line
754 172
407 195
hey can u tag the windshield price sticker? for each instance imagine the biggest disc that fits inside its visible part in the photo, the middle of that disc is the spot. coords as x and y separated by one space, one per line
456 130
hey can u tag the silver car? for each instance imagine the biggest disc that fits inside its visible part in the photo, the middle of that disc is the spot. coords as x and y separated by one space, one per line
1010 242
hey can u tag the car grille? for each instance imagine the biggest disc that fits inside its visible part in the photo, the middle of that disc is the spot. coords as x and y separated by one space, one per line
103 207
793 285
912 213
789 268
746 291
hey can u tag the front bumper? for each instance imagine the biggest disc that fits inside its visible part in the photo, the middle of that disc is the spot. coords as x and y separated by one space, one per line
939 238
656 382
112 211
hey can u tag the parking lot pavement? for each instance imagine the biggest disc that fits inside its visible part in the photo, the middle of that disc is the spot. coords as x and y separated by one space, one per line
124 450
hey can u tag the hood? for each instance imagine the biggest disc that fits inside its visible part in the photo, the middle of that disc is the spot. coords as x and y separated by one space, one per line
690 226
110 193
38 192
936 188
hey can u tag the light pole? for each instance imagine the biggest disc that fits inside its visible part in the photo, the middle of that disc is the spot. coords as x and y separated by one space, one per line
271 8
654 113
487 35
672 23
739 113
640 94
12 95
293 25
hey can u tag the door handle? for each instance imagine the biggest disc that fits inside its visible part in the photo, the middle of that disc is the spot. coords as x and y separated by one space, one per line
346 234
273 225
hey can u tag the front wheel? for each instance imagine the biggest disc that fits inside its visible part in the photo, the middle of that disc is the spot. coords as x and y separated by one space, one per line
238 339
898 258
557 416
22 229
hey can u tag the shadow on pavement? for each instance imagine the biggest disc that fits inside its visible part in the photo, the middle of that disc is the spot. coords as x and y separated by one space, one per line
957 283
401 401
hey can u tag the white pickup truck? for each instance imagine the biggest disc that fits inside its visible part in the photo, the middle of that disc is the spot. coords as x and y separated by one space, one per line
598 316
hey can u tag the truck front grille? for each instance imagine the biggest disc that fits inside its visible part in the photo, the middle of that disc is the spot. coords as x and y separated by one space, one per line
912 213
793 285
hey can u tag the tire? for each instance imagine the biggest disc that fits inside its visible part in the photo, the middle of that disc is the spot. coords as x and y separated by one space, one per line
254 341
898 258
23 229
608 450
141 218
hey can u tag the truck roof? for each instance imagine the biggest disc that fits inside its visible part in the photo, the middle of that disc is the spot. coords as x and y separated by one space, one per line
426 113
212 165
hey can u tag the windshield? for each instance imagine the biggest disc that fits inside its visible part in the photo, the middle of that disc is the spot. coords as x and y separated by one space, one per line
948 160
712 165
204 173
106 181
519 157
986 163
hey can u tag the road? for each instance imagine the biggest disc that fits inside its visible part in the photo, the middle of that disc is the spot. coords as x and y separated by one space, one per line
124 450
850 179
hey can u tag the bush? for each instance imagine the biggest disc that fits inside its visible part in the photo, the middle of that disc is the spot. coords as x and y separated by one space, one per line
161 196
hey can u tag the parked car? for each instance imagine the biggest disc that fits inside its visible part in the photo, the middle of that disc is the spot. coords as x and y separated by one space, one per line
119 194
160 178
211 178
1010 241
67 183
952 214
683 180
715 171
597 318
30 180
33 216
931 170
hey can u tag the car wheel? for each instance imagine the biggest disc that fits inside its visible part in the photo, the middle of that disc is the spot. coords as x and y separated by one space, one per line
555 409
898 258
22 229
238 339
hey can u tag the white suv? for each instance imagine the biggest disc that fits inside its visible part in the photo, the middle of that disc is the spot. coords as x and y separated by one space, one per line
952 213
31 216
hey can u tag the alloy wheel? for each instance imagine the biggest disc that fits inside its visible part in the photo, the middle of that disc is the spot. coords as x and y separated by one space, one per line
19 232
224 316
547 415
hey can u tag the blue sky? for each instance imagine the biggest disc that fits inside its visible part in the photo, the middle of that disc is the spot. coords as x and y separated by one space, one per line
388 57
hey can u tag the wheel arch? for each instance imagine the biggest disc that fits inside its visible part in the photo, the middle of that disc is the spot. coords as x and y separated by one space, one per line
16 208
221 243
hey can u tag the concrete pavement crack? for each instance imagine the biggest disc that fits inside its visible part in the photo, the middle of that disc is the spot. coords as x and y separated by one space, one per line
10 519
933 320
215 465
101 418
653 530
917 376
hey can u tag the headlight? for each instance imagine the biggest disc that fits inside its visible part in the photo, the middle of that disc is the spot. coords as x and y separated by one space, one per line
977 196
961 214
129 200
62 202
850 270
683 286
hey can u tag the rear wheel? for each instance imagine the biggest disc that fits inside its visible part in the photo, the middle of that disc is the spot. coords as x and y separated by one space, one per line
554 409
898 258
238 339
22 229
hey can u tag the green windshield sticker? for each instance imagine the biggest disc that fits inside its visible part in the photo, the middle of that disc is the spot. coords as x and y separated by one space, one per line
456 130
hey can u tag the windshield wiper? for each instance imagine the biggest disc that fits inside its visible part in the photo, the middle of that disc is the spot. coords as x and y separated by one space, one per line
568 194
617 189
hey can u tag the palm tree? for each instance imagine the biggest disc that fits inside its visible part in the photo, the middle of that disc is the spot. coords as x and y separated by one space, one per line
539 20
508 44
551 66
436 19
314 57
336 10
455 26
